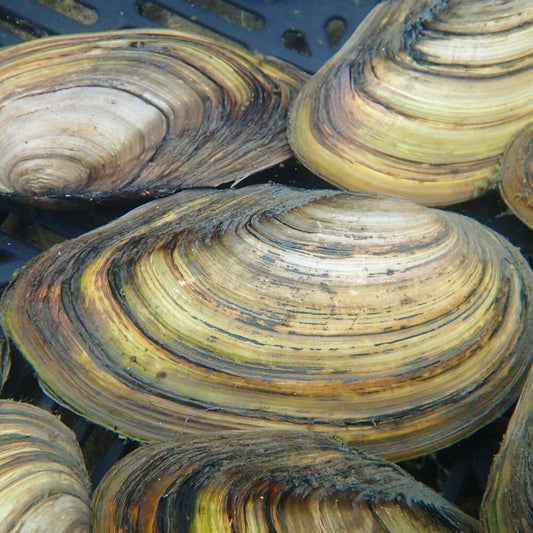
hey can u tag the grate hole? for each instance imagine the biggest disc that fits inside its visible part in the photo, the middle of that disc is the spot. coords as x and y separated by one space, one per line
20 27
170 19
335 28
295 40
166 17
236 15
74 10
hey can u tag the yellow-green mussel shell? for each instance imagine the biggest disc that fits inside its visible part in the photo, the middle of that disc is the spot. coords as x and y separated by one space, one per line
283 481
421 101
396 327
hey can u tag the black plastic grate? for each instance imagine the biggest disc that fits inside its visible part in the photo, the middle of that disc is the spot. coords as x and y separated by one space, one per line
304 32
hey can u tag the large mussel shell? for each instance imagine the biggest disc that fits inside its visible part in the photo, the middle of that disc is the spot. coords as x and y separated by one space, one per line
508 500
397 327
44 485
137 112
421 101
281 481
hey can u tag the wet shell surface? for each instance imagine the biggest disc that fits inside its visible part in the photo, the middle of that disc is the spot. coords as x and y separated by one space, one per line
396 327
137 113
44 485
516 176
508 500
422 100
278 481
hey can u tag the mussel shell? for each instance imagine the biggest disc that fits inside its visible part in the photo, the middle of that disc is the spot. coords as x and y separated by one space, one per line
516 176
283 481
5 359
44 485
508 500
421 101
137 113
397 327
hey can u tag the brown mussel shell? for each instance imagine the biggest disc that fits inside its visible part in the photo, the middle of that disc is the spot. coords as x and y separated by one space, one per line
282 481
421 101
396 327
5 359
508 500
137 113
44 485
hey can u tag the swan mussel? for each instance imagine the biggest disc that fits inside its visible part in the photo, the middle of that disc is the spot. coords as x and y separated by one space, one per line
283 481
394 326
516 176
5 359
508 500
137 113
44 484
421 101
